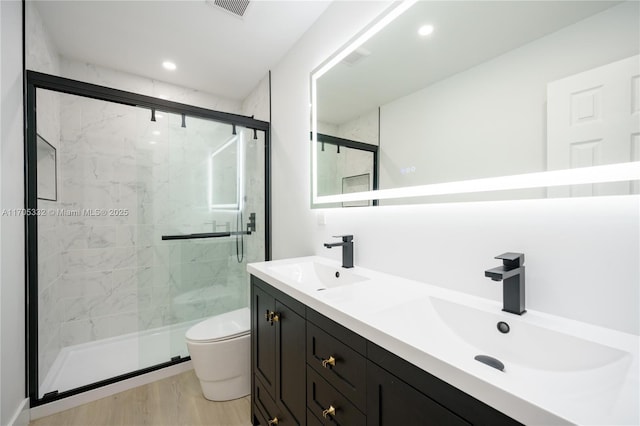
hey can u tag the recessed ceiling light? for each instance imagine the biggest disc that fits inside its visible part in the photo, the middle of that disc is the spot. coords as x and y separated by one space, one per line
156 132
168 65
425 30
152 142
159 116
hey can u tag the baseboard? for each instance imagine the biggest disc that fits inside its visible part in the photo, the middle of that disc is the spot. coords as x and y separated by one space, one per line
21 416
104 391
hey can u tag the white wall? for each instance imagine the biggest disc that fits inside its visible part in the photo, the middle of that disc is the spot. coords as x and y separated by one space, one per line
293 220
12 326
581 254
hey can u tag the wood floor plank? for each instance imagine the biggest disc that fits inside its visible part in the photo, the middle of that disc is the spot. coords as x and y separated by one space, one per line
174 401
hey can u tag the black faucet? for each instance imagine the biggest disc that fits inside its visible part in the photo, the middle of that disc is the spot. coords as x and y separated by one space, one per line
512 273
347 249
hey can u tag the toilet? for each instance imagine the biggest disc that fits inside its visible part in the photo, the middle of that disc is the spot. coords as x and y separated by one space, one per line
220 349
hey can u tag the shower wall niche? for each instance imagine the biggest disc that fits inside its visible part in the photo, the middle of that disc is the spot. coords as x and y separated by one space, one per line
108 284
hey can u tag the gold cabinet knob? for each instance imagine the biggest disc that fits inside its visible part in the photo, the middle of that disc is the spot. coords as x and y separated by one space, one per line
273 421
331 411
271 317
331 361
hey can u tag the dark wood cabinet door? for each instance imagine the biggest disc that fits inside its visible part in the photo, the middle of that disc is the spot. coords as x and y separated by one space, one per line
264 338
266 411
392 402
290 362
312 420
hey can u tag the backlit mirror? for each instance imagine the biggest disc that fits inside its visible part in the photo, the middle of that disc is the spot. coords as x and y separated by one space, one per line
513 99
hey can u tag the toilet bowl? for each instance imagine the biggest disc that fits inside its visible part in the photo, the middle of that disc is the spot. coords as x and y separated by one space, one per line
220 349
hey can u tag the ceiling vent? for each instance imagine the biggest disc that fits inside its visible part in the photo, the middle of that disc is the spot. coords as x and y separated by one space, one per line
235 7
356 56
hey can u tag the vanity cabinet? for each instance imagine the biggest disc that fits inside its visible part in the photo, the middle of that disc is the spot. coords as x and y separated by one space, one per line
394 402
278 356
310 370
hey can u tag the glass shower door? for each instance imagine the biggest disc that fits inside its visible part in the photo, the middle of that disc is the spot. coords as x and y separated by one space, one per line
151 219
207 219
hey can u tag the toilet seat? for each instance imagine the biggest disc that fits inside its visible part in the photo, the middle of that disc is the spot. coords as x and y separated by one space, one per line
222 327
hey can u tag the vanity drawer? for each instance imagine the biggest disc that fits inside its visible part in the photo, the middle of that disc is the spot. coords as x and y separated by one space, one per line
321 396
341 366
338 331
267 410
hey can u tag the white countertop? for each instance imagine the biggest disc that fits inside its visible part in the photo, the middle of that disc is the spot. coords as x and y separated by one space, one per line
440 331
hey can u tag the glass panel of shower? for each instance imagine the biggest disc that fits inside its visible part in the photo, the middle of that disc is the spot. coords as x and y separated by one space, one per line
154 218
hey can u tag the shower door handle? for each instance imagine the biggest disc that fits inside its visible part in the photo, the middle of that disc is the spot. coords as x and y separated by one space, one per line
204 235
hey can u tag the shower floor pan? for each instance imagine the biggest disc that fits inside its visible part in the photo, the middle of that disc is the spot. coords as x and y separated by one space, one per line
91 362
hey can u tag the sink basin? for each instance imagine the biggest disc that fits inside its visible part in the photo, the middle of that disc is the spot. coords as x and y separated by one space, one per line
527 345
317 276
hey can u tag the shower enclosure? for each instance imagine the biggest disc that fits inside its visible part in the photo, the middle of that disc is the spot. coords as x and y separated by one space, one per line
142 215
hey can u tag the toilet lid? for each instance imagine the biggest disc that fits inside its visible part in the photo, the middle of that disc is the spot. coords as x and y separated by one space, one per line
221 327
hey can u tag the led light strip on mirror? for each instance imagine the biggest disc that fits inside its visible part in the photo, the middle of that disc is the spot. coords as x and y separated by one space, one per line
598 174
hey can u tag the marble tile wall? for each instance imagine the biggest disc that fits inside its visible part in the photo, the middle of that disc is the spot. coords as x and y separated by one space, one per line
363 128
117 275
40 53
257 103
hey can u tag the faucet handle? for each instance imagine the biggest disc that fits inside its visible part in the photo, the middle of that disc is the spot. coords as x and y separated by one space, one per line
511 260
345 238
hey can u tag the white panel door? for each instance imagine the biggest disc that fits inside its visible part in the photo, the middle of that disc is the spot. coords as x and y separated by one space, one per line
593 118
